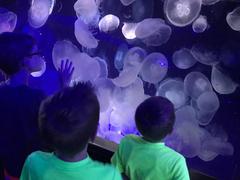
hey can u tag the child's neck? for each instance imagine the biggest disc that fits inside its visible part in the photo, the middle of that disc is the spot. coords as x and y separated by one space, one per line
77 157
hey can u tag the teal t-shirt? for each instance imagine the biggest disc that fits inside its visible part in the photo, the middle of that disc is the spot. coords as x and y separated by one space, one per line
46 166
140 159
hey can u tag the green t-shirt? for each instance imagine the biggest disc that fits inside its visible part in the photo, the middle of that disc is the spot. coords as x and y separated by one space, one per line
46 166
140 159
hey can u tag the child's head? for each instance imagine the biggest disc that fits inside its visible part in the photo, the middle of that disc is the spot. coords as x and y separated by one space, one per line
14 48
69 119
155 118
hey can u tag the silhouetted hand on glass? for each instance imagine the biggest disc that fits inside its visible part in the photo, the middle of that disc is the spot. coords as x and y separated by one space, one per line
65 73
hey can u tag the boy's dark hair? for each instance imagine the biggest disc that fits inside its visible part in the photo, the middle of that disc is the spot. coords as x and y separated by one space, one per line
155 118
69 119
13 48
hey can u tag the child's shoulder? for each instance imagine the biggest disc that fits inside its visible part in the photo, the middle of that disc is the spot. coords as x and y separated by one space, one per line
40 155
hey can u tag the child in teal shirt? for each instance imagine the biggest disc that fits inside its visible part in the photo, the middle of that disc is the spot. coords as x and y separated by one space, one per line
68 121
147 157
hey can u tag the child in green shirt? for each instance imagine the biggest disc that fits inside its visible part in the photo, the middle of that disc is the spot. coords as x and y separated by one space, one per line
68 121
147 157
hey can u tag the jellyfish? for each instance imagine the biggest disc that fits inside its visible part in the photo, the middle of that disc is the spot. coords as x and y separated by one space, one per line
200 24
205 55
39 12
196 83
87 11
108 23
86 68
8 20
38 66
221 82
154 68
208 102
84 35
127 76
134 57
183 59
174 91
128 30
186 114
153 31
209 2
182 12
103 67
233 19
127 2
119 57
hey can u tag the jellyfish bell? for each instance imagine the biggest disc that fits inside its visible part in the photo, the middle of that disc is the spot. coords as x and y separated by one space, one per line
182 12
36 65
222 83
233 19
103 67
208 102
127 2
84 35
200 24
108 23
8 20
183 59
39 12
128 30
134 57
154 68
209 2
196 83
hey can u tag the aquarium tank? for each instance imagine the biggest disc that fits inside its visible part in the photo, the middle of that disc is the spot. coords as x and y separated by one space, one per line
185 50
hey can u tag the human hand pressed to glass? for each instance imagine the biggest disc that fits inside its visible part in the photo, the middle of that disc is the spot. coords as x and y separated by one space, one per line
65 73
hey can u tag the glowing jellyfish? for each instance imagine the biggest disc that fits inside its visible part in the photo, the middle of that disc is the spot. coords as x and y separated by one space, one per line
127 2
86 68
134 57
209 2
84 35
39 12
182 12
38 66
200 24
208 102
108 23
196 83
153 31
103 67
128 30
221 82
154 68
183 58
114 136
87 11
233 19
8 20
205 55
174 91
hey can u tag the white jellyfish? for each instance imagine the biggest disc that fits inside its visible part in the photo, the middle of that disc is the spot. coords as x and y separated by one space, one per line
84 35
119 56
134 57
153 31
87 11
154 68
196 83
204 55
182 12
200 24
108 23
183 59
127 2
233 19
209 2
128 30
39 12
38 66
221 82
103 67
86 68
8 20
173 90
208 102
